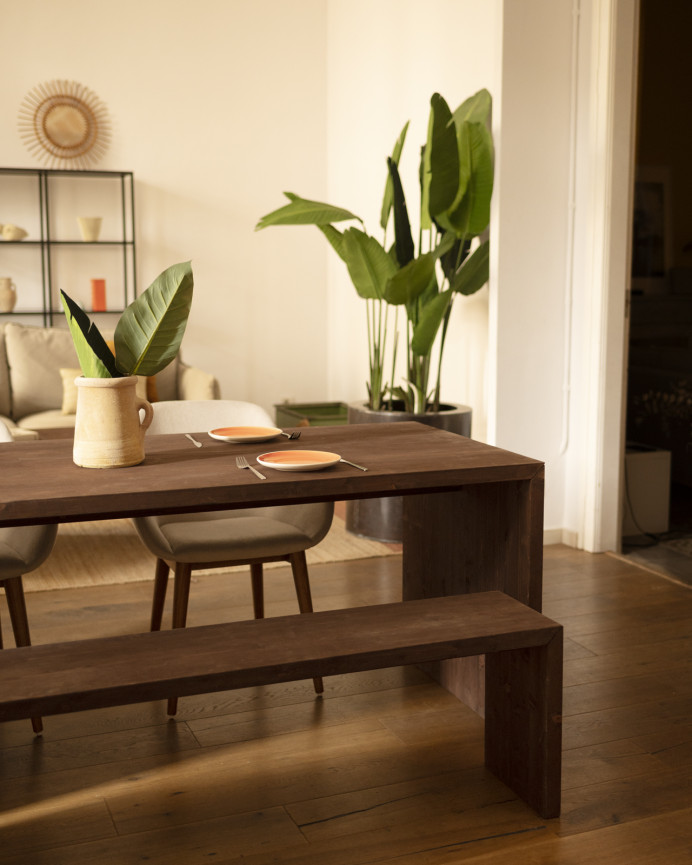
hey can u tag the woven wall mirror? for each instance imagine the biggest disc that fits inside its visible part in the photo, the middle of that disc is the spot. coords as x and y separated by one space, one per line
64 124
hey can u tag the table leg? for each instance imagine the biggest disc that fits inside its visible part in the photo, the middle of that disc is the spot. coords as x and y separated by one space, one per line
474 539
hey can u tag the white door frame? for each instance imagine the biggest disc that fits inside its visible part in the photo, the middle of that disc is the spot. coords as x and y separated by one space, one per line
610 74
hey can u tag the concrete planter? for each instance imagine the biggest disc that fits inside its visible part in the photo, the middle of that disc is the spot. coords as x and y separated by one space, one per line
108 430
381 519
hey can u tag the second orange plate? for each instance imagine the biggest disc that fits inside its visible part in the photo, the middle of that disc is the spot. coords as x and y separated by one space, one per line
298 461
245 433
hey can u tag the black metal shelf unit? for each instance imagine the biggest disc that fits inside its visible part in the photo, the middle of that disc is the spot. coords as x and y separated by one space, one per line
49 241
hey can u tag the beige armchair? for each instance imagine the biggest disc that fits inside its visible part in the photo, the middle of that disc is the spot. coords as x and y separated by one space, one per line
249 536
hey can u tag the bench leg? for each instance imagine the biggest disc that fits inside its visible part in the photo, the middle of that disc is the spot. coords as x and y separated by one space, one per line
523 722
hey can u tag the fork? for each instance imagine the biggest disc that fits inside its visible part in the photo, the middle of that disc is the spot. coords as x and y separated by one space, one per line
242 463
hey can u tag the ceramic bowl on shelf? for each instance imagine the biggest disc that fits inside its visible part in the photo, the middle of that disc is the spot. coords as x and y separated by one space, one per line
13 232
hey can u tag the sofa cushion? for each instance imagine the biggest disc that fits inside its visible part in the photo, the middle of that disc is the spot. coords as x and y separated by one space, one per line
51 419
35 356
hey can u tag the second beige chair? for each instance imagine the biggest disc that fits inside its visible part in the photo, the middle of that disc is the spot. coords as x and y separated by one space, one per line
249 536
22 549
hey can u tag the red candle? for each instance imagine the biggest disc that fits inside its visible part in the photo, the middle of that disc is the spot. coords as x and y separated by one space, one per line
98 295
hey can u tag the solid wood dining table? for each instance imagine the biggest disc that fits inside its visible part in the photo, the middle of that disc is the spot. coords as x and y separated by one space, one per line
473 513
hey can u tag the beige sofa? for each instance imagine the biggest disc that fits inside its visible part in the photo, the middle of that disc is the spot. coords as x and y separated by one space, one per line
38 366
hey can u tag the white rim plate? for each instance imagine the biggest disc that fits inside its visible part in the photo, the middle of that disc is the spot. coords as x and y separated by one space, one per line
245 433
298 461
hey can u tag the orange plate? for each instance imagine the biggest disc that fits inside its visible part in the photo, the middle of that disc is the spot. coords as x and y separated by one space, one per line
245 433
298 461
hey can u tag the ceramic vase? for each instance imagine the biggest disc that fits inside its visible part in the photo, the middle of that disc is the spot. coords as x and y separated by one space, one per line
8 294
109 432
90 227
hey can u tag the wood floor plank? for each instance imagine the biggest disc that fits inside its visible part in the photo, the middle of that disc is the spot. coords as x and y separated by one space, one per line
607 761
625 800
634 630
127 745
453 724
608 725
242 835
449 803
644 623
243 726
499 826
672 746
577 596
627 690
663 840
48 826
669 656
294 767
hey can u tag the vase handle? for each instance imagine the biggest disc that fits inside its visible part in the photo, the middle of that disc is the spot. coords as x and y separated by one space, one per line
148 414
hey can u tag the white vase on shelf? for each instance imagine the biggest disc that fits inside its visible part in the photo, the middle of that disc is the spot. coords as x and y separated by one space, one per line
90 226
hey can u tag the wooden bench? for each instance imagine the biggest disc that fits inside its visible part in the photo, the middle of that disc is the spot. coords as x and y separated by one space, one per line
523 652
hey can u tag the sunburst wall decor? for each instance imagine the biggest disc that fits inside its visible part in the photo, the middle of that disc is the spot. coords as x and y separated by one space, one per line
64 124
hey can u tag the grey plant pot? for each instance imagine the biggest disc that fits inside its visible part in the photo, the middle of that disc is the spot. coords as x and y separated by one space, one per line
381 519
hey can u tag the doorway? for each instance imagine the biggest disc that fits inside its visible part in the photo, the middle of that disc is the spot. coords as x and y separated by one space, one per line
657 526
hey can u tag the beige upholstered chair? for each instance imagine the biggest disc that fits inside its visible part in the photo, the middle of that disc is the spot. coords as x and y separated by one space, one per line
22 549
249 536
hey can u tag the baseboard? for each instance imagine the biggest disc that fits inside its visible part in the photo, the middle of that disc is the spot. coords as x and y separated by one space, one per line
560 536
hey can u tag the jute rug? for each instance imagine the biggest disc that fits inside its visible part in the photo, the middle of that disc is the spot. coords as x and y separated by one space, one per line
110 551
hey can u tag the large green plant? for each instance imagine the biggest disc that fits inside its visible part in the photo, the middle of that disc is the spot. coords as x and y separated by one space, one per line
148 334
421 275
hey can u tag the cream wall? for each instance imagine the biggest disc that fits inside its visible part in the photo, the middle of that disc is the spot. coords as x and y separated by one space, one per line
217 107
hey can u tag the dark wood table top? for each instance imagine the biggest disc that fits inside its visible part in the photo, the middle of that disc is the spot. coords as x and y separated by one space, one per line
39 483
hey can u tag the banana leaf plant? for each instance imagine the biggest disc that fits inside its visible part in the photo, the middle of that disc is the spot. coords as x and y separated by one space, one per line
456 184
148 334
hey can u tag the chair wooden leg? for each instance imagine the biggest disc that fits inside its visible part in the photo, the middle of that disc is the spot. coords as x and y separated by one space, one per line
302 583
14 592
181 595
257 578
157 602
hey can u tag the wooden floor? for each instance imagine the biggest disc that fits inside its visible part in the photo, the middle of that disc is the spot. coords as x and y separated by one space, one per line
387 768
